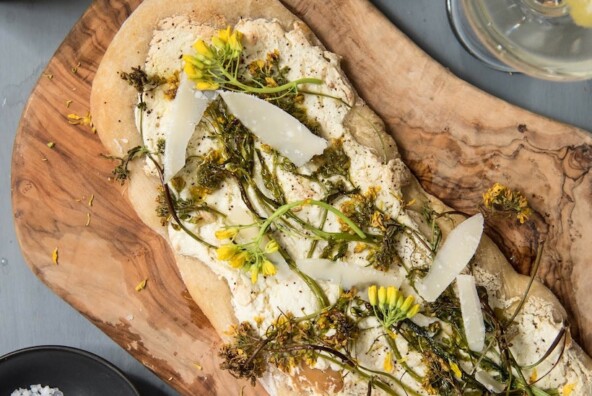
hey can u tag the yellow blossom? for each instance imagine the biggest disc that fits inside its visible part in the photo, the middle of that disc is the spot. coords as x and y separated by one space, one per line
412 312
534 375
360 247
201 48
372 294
400 301
388 362
382 295
224 34
254 273
268 268
234 41
226 252
239 260
500 198
226 233
456 370
271 247
207 85
391 296
568 389
407 304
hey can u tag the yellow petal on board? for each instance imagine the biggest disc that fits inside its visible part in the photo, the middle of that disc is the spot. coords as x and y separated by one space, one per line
142 285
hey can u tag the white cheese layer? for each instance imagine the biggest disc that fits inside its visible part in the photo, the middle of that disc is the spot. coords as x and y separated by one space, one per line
262 302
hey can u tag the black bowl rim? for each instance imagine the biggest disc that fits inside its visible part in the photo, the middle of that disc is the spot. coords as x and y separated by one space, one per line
75 351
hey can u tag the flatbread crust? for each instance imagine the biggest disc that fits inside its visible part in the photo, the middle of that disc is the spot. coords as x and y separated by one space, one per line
113 102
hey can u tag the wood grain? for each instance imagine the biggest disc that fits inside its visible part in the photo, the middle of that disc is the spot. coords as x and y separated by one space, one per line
456 139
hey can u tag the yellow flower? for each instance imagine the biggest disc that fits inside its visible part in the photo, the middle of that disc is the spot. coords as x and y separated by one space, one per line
372 293
360 247
412 312
192 60
268 268
239 260
224 34
203 49
226 252
207 85
391 296
382 295
254 273
271 247
218 43
568 389
456 370
400 301
500 198
226 233
407 304
192 71
388 362
234 42
534 375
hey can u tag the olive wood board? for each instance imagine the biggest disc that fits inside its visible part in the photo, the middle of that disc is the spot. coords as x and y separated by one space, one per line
457 140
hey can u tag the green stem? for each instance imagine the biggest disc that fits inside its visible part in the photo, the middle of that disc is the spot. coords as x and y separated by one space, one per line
287 207
314 243
267 90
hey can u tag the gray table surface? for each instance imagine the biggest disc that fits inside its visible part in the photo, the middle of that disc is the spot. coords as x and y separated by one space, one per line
30 32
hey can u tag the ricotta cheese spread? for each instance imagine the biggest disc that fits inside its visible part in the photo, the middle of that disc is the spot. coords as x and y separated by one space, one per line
261 300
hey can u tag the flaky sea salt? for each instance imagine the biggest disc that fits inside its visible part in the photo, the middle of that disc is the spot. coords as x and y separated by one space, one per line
37 390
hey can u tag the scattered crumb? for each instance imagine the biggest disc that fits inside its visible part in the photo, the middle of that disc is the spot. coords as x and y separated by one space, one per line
48 75
50 144
91 199
522 128
75 68
197 366
43 159
129 317
87 220
142 285
68 103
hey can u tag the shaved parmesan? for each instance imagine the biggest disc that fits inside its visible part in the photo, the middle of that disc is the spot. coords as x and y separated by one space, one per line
489 382
346 274
179 124
472 315
275 127
458 248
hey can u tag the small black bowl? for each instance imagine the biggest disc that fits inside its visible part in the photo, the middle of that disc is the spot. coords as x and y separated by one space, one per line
73 371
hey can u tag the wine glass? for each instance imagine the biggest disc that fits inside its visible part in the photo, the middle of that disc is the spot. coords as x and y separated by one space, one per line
550 39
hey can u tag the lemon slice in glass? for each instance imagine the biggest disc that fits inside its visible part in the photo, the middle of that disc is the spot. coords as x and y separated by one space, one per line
581 12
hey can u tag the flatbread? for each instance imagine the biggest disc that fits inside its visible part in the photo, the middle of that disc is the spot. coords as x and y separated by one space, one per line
113 102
